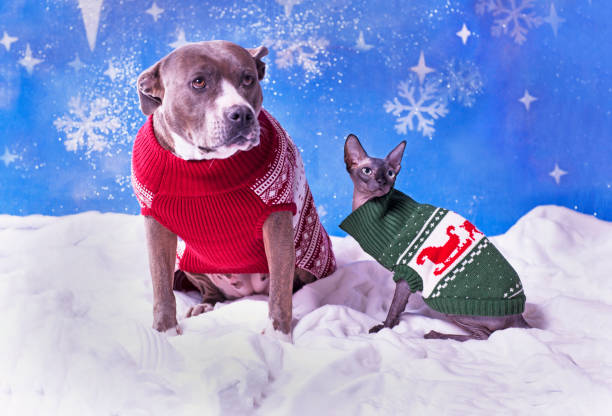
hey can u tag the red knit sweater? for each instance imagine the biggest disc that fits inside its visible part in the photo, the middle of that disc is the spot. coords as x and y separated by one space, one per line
217 207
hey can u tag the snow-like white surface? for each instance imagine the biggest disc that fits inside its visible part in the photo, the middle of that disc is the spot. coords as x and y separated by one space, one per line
75 317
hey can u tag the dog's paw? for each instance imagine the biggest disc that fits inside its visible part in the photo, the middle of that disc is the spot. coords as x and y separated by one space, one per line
199 309
276 334
164 320
169 326
177 330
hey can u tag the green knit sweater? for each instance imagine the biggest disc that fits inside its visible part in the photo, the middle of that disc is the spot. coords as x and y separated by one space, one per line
438 252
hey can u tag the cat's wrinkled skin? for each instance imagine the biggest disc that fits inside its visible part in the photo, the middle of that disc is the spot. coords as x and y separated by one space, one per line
374 177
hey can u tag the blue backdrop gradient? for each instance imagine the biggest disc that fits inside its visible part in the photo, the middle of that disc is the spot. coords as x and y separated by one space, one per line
512 112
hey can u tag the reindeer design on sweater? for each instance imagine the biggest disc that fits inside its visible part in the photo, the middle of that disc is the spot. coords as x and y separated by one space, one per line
452 249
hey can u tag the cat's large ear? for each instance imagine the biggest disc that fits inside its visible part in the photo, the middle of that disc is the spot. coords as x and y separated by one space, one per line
395 157
353 151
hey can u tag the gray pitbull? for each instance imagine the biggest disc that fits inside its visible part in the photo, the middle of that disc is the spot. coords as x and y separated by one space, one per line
205 99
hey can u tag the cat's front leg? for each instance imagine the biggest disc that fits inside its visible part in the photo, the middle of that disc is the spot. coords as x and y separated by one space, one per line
398 304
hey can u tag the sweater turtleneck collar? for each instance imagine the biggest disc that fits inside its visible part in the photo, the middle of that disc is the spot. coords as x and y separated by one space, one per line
377 223
376 207
203 177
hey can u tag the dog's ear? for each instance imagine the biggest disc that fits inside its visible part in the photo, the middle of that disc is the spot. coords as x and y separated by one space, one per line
395 156
150 89
353 151
257 54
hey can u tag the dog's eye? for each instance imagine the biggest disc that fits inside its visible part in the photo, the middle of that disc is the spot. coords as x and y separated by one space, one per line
391 173
366 171
248 80
198 83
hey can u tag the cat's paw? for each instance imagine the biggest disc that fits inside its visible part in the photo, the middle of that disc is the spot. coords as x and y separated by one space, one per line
376 328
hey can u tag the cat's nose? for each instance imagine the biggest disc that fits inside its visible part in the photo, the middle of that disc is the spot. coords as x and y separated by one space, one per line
381 181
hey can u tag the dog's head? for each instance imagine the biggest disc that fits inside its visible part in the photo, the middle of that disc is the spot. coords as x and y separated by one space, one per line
208 96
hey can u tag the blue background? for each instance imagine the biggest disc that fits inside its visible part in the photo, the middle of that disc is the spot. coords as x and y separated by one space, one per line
68 124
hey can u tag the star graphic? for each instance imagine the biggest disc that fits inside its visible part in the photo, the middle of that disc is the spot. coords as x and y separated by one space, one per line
180 40
111 71
557 173
8 157
361 44
77 64
554 19
464 34
155 11
7 41
421 69
527 99
28 61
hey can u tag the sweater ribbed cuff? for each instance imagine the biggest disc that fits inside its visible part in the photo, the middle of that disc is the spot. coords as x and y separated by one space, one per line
271 209
478 307
146 211
407 273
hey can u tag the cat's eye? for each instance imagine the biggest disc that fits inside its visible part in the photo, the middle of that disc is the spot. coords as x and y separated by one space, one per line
366 171
391 173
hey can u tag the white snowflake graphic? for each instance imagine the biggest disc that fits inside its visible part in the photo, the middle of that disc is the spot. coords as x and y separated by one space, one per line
462 81
456 81
301 52
425 104
297 38
89 131
512 17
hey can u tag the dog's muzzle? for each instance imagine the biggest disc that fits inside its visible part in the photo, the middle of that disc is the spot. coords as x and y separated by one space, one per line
242 128
239 118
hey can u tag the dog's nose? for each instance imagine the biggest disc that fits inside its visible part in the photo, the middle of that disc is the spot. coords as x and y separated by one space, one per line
239 116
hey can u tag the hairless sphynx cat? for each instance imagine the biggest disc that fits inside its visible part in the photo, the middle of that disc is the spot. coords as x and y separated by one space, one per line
429 249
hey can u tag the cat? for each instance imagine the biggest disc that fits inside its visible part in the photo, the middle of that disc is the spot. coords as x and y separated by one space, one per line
435 254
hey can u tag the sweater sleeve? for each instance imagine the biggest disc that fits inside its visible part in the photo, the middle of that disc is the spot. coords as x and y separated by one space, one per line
143 195
407 273
284 186
148 162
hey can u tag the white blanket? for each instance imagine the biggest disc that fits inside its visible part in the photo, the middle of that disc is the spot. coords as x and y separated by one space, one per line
75 320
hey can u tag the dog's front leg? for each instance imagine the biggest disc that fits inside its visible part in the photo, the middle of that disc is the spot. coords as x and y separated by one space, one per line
280 253
161 245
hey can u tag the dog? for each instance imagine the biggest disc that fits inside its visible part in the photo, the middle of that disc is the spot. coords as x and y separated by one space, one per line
227 208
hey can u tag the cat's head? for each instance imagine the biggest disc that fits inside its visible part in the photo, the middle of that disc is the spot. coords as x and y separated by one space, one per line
372 177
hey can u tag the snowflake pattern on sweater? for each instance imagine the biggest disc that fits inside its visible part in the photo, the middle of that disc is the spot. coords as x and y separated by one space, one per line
235 206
